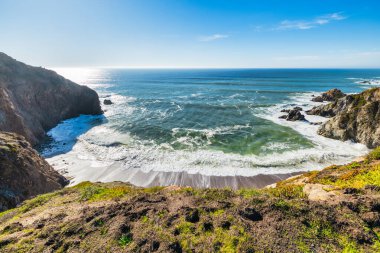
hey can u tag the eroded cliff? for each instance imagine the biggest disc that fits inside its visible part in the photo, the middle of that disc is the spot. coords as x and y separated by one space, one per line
33 99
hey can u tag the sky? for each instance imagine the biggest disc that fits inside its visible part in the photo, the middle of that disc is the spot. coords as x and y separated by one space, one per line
192 33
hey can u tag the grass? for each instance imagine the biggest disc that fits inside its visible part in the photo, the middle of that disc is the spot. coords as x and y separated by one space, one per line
92 192
353 175
350 176
287 191
125 240
36 202
373 155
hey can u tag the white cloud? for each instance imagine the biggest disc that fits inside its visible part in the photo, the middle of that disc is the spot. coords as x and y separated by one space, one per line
212 37
308 24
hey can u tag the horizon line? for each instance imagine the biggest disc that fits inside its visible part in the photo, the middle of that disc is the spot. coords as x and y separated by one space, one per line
189 68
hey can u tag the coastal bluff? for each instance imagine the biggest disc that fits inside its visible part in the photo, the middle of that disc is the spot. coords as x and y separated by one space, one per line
354 117
23 172
34 100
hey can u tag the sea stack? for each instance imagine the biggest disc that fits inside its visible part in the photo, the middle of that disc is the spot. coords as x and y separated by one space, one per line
34 100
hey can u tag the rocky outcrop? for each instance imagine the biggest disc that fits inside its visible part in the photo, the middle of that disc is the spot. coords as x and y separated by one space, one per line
354 117
330 95
33 99
23 172
329 110
293 114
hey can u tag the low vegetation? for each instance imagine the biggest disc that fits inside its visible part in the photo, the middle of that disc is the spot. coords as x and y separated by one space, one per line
117 217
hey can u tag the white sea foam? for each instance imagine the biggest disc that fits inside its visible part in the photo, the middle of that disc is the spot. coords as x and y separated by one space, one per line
99 153
367 82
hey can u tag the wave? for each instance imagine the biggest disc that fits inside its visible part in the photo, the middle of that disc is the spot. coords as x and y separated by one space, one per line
366 81
87 148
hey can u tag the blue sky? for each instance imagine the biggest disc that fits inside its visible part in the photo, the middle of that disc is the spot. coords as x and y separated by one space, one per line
192 33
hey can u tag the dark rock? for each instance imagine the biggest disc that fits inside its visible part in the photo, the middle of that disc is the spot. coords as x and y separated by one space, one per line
330 95
352 191
23 172
250 214
175 247
295 115
155 246
208 226
285 110
107 102
192 216
226 225
34 100
315 123
317 99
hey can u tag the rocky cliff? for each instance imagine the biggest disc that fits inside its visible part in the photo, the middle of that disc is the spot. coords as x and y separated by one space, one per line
354 117
33 100
23 172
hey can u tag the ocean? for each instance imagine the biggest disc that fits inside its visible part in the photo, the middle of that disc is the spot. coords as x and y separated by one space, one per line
165 125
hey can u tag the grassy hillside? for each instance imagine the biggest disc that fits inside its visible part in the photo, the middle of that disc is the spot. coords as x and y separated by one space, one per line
117 217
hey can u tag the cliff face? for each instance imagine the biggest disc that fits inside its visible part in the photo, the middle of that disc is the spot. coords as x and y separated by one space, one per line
33 100
354 117
23 172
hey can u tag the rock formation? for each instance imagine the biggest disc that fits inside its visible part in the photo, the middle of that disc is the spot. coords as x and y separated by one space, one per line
293 114
354 117
33 99
107 102
330 95
23 172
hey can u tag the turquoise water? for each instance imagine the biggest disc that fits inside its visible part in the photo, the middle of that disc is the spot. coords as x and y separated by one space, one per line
206 121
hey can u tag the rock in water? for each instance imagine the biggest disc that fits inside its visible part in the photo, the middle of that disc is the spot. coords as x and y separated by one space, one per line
34 100
330 95
293 115
23 172
357 118
107 102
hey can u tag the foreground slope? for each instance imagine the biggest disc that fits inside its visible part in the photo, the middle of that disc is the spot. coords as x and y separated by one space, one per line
33 100
117 217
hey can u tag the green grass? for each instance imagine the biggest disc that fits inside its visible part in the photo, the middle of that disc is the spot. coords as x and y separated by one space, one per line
125 240
37 201
352 175
373 155
287 191
93 192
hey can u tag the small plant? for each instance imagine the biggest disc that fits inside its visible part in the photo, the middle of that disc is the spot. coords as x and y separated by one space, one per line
89 192
282 205
144 219
374 155
125 240
99 223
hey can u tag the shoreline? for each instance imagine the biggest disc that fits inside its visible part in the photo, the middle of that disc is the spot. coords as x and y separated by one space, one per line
184 179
